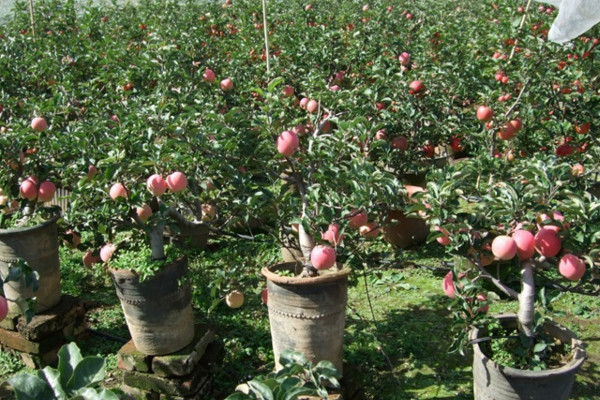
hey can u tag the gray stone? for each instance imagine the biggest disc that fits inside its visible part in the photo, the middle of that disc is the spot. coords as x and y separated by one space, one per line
183 362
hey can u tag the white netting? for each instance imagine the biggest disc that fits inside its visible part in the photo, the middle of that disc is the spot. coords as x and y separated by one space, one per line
574 18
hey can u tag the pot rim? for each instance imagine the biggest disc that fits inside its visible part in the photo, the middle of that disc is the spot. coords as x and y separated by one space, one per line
15 231
577 350
328 276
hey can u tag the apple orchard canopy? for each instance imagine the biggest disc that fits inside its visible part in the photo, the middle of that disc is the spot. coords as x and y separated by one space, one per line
574 18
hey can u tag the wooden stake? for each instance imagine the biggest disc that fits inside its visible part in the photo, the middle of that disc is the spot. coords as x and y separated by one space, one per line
31 18
266 30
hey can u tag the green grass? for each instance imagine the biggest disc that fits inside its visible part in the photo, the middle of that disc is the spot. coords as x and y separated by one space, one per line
397 327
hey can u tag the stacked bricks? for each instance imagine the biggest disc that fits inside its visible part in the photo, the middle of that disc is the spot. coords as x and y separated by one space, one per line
38 341
183 375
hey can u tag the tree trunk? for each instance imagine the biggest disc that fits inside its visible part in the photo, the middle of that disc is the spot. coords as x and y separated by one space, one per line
527 300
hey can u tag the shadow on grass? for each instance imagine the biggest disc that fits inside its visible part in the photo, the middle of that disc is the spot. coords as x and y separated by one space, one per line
405 356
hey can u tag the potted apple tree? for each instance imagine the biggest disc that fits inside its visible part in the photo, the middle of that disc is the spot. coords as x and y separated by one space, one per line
520 227
34 155
329 198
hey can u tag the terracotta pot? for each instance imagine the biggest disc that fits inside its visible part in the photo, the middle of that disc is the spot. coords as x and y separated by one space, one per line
494 381
307 315
404 232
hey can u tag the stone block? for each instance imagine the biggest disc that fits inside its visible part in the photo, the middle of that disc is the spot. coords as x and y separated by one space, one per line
16 341
10 322
183 362
66 312
37 361
183 386
130 359
139 394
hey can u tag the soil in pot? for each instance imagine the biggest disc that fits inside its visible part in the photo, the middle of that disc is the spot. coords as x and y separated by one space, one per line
492 380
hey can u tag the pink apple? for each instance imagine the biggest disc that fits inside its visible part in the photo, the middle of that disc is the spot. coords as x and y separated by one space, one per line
357 219
303 103
322 257
445 239
29 188
39 124
370 230
299 130
525 243
3 308
46 191
75 239
577 169
208 76
381 135
400 143
504 247
117 190
287 143
89 259
571 267
227 84
144 212
92 171
332 235
107 251
287 91
177 182
404 58
312 106
547 243
156 185
448 284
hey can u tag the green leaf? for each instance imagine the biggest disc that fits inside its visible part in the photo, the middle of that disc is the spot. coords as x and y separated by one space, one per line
539 347
30 387
53 378
261 390
69 356
94 394
88 372
273 84
294 393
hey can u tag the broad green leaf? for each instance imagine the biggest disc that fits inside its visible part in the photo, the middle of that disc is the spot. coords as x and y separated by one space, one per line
69 356
262 391
88 372
30 387
53 378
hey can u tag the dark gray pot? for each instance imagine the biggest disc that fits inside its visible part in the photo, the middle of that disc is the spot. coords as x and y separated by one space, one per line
493 381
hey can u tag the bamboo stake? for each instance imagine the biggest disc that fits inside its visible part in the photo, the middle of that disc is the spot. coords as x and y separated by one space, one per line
31 18
266 30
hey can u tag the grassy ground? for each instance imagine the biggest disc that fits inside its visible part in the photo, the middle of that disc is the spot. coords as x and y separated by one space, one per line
398 325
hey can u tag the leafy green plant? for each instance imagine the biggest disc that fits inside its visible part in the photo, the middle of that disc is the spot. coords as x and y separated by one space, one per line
76 378
20 271
298 377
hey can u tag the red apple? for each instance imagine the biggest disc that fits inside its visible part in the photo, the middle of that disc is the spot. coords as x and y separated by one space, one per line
415 87
443 240
400 143
504 247
46 191
322 257
117 190
29 188
577 170
89 259
332 235
525 243
75 239
156 185
547 243
303 103
177 182
92 171
484 113
209 212
312 106
357 219
299 130
287 91
144 212
227 84
287 143
208 76
571 267
107 251
448 284
3 308
370 230
404 58
39 124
